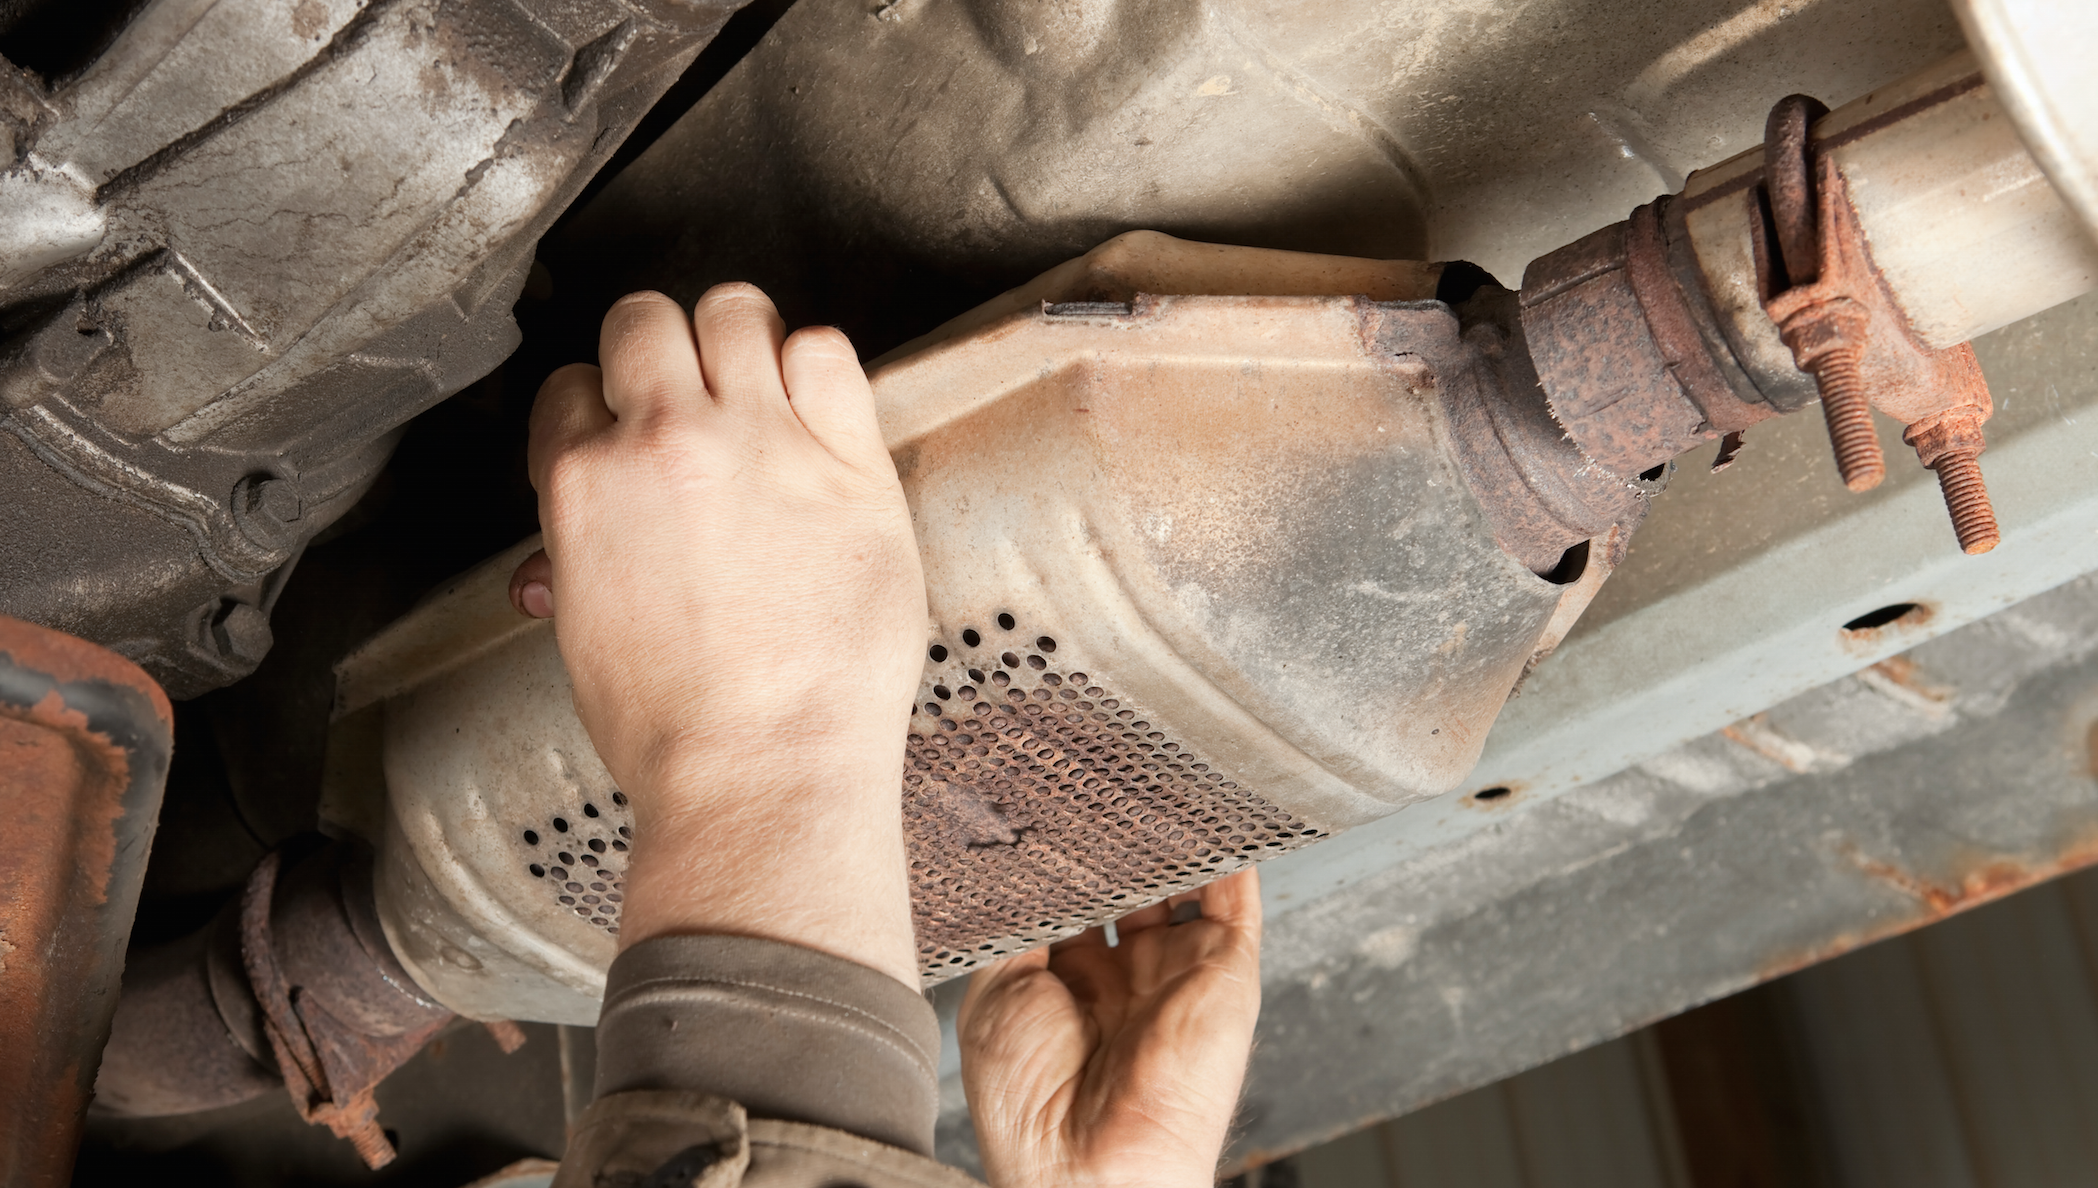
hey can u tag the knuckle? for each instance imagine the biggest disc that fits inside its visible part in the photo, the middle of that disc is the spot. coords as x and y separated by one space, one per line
732 293
644 300
822 342
568 475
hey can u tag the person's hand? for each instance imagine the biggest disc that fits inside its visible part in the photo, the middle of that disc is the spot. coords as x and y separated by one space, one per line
1094 1066
737 596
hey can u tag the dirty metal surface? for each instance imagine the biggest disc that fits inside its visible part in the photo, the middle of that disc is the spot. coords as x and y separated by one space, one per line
1053 803
1734 594
240 250
1008 138
84 744
1170 495
2031 54
1942 778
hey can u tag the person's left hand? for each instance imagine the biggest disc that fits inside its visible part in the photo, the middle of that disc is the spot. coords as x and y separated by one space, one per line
1092 1066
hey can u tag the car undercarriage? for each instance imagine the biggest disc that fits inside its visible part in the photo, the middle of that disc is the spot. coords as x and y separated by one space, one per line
1594 500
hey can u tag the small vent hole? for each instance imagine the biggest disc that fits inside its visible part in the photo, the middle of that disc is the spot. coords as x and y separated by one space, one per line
1046 644
938 653
1490 794
531 838
970 637
1006 622
1874 620
560 825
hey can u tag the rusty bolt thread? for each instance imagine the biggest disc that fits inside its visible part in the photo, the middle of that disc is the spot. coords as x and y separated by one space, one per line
1967 499
370 1142
1849 411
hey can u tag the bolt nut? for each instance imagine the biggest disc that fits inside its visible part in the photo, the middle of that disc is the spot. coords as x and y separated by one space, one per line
242 633
268 508
276 498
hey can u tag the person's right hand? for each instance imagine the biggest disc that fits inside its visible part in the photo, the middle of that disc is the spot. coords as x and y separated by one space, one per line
736 593
1093 1066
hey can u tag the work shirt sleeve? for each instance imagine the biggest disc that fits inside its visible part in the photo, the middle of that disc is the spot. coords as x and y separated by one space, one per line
725 1060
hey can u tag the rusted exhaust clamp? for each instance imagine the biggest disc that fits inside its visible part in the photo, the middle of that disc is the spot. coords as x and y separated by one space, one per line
1834 311
293 984
331 1065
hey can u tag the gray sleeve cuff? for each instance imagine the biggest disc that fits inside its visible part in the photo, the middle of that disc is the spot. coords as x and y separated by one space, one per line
788 1032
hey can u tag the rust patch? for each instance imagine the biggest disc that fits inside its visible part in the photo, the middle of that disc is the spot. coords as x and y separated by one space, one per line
1869 633
84 741
1756 734
1983 880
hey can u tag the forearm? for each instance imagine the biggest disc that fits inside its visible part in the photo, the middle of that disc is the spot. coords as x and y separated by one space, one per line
819 865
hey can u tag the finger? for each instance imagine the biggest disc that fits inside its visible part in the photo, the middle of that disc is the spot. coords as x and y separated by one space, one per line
1097 980
1235 901
570 407
1143 919
532 587
829 392
988 982
739 335
651 363
1091 938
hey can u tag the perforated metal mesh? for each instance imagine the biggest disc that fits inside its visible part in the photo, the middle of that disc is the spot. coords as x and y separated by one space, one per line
580 854
1037 802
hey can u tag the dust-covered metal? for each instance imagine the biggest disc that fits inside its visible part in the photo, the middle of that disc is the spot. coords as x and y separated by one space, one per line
1881 803
187 1035
85 738
2035 54
1965 229
1006 138
1209 577
245 246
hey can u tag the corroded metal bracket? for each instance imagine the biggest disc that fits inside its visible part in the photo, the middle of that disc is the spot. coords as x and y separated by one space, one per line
1833 309
85 737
